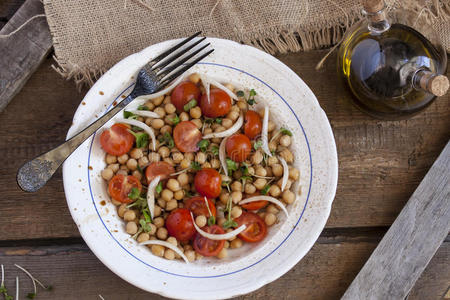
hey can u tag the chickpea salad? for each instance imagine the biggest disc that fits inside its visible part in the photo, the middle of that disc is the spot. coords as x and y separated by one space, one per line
197 171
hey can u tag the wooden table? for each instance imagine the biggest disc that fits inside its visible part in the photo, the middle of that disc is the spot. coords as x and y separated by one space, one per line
380 165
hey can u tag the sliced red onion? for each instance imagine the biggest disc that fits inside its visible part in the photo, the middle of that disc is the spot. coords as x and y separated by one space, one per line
142 125
285 173
207 81
218 237
206 85
265 132
236 126
151 195
267 198
222 157
167 245
145 113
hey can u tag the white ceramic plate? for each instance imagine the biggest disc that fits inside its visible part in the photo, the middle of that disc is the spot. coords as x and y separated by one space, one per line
291 103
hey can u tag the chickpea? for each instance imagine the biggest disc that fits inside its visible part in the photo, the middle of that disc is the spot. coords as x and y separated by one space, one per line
137 174
158 250
150 105
237 174
160 111
122 172
170 108
236 212
257 158
260 183
107 174
154 157
215 163
206 165
277 170
167 99
236 197
200 157
166 129
190 255
178 195
157 101
183 179
272 160
197 123
214 126
226 245
269 172
159 222
227 123
132 164
236 186
171 205
195 112
194 78
219 129
288 197
273 146
272 209
236 243
164 151
242 105
172 240
262 214
294 174
110 159
207 130
124 167
161 202
201 221
131 228
173 185
220 221
121 210
251 170
143 237
270 219
234 108
157 123
260 171
143 161
161 233
233 115
114 167
185 163
136 153
157 211
224 196
249 188
223 253
274 191
177 157
166 194
153 229
270 126
184 116
169 254
122 159
287 155
288 184
285 140
129 215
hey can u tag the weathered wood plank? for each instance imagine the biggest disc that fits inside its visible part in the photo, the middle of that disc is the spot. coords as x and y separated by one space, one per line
24 51
325 272
412 240
8 8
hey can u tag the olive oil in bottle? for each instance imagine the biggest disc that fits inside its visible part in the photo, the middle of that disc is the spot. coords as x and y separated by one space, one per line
392 69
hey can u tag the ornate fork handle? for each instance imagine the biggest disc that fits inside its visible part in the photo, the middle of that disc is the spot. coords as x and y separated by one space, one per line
34 174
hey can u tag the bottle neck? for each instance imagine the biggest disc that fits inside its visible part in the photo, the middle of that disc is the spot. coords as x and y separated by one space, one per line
430 82
378 21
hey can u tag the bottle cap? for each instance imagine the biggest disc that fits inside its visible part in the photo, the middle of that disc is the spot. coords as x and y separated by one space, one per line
437 85
373 6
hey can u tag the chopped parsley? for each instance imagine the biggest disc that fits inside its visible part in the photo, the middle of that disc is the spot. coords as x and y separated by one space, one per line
167 139
203 145
231 165
240 94
195 166
211 220
218 120
215 150
257 144
134 194
285 131
159 187
129 115
265 190
190 104
176 120
142 138
251 97
143 107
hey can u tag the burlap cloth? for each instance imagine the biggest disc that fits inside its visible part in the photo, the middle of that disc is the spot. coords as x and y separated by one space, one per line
90 36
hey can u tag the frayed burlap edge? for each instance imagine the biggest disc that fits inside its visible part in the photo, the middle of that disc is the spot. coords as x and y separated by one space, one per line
276 40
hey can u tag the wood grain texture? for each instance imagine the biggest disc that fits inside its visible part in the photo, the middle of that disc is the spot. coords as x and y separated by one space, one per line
24 51
8 8
412 240
325 272
380 163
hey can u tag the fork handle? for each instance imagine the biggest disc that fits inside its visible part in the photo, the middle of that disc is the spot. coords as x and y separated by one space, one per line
34 174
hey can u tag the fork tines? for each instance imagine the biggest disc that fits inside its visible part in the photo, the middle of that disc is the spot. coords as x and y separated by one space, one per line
178 59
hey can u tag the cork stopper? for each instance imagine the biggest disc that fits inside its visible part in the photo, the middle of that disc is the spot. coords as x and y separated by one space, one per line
437 85
374 10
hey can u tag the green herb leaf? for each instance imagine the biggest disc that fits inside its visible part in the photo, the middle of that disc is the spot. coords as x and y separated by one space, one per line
147 217
211 220
218 120
188 193
231 165
143 107
29 296
209 120
176 120
190 104
244 169
167 139
203 145
129 115
134 194
265 190
159 187
252 93
195 166
229 224
251 97
257 144
215 150
140 169
142 138
285 131
240 94
251 101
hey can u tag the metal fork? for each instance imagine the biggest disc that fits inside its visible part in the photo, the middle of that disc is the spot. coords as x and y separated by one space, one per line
154 76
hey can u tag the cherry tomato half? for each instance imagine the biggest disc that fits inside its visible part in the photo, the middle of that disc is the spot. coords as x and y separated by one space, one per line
256 204
117 140
253 124
186 136
238 147
183 93
256 227
219 103
198 206
159 168
120 186
208 182
207 247
179 224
